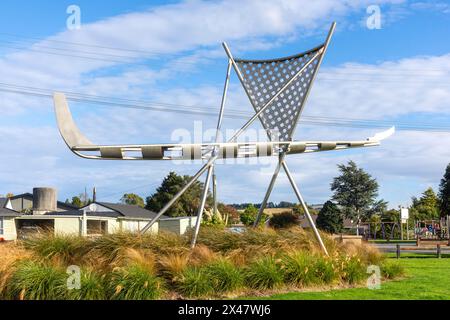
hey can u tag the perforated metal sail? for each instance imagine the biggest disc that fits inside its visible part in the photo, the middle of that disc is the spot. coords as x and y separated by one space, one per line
264 79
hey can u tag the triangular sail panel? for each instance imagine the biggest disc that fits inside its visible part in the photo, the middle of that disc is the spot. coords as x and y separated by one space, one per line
264 79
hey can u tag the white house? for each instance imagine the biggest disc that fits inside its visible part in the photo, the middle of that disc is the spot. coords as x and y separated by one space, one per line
28 213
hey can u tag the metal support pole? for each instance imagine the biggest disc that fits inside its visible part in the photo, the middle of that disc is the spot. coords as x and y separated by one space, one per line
438 249
214 190
305 207
398 251
178 195
202 207
206 166
269 190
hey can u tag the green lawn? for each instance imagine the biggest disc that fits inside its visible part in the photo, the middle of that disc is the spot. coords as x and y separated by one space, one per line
426 278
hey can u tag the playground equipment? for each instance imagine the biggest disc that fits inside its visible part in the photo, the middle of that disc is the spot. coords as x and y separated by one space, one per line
432 229
277 89
385 230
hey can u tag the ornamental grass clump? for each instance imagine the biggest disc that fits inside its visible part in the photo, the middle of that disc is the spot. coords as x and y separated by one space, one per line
65 248
392 269
264 273
92 287
298 268
10 256
134 282
353 270
172 266
195 282
33 280
225 276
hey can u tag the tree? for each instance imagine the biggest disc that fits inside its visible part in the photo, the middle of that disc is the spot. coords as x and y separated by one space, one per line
248 217
132 199
426 207
76 201
378 208
444 193
355 191
186 205
330 218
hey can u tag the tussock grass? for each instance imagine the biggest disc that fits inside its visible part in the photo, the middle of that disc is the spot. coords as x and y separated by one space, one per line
298 268
135 282
172 266
92 287
264 273
34 280
64 248
225 276
353 271
194 282
202 255
392 269
10 256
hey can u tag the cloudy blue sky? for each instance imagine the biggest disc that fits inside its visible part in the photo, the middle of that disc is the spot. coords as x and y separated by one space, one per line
168 55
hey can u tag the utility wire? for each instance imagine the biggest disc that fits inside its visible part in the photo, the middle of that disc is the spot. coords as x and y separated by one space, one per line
231 113
98 56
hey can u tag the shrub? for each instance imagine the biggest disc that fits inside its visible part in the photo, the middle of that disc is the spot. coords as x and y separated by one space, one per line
37 281
134 282
195 282
92 287
284 220
392 269
248 217
263 273
226 277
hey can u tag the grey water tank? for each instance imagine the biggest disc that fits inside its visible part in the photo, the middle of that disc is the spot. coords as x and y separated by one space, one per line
44 200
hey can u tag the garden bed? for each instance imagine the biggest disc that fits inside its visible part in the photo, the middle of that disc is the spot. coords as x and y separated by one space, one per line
224 264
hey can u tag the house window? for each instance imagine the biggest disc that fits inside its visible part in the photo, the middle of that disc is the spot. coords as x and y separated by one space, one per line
1 226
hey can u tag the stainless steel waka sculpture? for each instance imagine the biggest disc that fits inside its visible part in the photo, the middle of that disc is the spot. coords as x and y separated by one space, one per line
277 89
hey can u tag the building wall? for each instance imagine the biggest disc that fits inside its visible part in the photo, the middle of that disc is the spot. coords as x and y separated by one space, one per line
137 225
178 226
21 204
113 226
9 229
68 226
